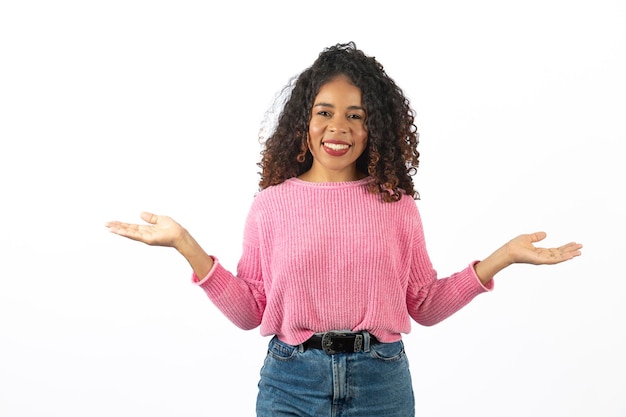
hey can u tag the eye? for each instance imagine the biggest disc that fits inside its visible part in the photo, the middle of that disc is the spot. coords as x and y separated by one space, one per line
356 116
323 113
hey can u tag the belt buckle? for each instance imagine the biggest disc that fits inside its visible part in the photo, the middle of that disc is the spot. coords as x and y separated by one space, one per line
327 342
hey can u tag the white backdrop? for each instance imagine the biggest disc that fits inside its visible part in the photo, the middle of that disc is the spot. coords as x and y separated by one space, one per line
111 108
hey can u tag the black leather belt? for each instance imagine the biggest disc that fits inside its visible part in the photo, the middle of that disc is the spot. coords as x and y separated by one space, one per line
338 342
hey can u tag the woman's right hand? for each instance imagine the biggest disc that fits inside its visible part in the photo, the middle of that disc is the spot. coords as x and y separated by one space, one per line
160 230
164 231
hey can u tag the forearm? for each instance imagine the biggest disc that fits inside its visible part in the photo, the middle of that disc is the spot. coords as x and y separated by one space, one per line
200 261
491 265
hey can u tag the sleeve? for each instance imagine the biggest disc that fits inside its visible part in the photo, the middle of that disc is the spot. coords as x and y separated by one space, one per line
430 299
240 297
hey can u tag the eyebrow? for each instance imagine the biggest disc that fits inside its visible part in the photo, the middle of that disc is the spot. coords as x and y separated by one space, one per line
322 104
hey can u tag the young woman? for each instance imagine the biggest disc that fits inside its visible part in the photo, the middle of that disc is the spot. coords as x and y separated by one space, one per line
334 263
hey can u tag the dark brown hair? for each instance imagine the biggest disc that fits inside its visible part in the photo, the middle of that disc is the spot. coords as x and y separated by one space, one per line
390 158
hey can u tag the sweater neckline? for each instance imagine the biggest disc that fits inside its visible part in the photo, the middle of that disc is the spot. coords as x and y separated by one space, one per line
338 184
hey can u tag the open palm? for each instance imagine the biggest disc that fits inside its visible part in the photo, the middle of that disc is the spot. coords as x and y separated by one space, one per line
160 230
522 250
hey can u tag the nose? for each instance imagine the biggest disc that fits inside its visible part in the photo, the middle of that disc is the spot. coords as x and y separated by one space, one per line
337 124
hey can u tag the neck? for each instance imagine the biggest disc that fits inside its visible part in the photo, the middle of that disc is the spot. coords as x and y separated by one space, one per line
313 175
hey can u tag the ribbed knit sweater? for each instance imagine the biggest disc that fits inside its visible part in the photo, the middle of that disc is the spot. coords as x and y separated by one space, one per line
332 256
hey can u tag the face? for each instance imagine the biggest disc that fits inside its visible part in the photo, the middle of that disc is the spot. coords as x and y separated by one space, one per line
337 132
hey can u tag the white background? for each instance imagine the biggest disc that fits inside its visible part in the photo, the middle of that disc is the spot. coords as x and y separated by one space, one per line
111 108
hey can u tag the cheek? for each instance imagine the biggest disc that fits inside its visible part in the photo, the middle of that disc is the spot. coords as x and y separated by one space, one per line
363 136
315 131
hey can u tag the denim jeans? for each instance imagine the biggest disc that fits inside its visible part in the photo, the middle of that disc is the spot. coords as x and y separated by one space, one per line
375 382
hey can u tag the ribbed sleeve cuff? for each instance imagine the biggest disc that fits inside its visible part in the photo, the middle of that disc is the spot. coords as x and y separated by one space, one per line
486 287
197 281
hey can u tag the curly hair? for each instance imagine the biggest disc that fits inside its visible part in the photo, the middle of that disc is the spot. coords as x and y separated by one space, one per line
390 157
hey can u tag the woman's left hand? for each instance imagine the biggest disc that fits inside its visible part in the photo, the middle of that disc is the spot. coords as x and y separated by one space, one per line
522 250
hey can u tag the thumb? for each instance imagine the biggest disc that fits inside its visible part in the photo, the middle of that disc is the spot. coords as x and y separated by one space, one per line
537 236
149 217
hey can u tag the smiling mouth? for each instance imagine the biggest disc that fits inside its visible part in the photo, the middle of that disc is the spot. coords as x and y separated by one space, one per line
336 146
336 149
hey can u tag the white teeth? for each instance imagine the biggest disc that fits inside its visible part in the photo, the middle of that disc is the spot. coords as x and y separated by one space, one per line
336 146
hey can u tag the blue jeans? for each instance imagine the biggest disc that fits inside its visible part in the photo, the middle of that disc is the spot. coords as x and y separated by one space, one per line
375 382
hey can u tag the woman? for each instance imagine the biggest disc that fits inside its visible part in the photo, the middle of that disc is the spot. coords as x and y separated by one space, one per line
334 263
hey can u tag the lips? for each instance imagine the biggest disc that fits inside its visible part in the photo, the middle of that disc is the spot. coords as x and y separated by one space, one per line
335 148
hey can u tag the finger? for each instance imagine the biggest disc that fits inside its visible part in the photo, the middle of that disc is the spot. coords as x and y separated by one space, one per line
571 246
537 236
115 225
149 217
557 255
572 249
130 231
120 228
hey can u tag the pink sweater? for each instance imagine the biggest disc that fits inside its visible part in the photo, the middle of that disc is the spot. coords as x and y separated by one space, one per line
332 256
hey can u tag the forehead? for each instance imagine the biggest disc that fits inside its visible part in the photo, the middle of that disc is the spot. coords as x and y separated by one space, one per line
339 88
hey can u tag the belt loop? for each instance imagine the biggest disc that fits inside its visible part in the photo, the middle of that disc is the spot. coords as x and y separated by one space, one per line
366 342
301 348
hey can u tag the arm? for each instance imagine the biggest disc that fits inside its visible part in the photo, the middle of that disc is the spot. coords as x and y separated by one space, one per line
164 231
431 300
241 300
522 250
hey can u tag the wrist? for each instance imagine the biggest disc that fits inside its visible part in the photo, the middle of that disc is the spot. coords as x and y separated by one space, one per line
494 263
198 259
184 243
